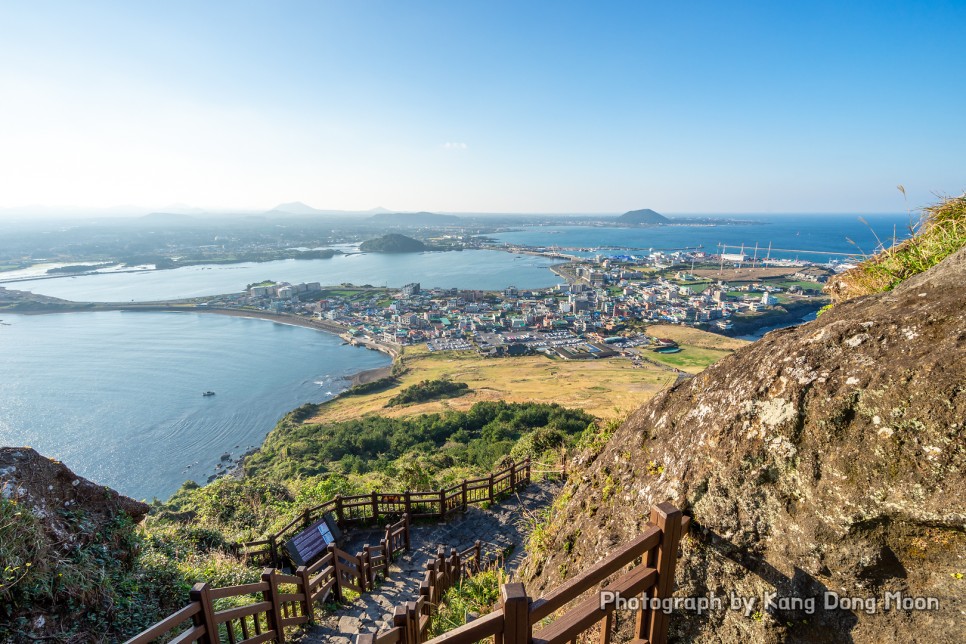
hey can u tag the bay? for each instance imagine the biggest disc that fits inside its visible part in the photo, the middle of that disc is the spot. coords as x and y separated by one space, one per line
117 396
470 269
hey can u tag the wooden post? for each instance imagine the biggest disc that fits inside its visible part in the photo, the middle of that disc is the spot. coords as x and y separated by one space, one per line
387 555
406 533
516 614
361 571
337 587
464 495
306 518
442 504
668 519
366 563
513 475
273 552
375 508
412 617
409 503
526 468
275 612
479 554
606 625
425 589
339 516
399 621
491 498
302 572
201 593
455 565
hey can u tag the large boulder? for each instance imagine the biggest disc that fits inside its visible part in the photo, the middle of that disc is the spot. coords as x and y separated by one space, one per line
823 461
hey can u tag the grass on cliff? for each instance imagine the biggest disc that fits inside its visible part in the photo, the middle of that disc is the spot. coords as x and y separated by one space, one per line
478 594
940 232
107 581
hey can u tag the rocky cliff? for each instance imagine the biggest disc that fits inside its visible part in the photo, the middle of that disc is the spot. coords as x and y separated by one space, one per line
64 544
827 458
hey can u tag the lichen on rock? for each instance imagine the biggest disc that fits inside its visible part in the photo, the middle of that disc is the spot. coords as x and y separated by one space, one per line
828 458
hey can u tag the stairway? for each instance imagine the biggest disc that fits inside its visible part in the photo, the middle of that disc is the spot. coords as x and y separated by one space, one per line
501 527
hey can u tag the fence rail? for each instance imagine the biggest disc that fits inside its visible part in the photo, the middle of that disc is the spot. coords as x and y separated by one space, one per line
279 600
378 507
518 615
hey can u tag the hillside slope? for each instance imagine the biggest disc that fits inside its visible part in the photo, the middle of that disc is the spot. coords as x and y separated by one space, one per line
825 458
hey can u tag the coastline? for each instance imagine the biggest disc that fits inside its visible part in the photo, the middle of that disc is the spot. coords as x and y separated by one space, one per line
359 378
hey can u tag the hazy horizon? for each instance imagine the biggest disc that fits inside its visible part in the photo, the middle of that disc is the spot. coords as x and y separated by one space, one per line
40 213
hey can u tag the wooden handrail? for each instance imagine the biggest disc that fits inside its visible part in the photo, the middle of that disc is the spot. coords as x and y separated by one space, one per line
513 623
165 625
266 619
589 612
486 626
376 506
583 582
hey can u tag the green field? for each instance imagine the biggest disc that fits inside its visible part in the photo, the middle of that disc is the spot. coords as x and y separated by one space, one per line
690 359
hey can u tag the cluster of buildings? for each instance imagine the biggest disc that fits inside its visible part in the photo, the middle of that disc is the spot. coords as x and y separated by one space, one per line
591 317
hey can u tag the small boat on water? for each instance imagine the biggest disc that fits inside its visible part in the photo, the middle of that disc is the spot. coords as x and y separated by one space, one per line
208 393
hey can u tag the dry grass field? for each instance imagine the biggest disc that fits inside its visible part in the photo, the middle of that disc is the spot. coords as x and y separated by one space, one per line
600 387
604 388
747 274
685 335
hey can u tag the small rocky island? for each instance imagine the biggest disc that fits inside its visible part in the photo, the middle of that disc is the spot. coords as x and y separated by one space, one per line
645 216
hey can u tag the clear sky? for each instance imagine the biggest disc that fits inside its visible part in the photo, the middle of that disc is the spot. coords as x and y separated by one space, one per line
496 106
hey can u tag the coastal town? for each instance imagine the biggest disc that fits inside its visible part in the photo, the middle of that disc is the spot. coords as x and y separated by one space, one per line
602 310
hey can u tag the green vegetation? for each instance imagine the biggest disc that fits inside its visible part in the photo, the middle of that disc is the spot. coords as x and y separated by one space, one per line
690 359
108 581
940 232
304 464
478 594
392 243
78 268
429 390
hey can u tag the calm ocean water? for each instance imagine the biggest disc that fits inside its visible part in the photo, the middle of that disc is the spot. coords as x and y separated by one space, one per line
827 233
117 396
473 269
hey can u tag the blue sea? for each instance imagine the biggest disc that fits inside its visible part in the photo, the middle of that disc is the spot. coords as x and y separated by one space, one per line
817 238
117 396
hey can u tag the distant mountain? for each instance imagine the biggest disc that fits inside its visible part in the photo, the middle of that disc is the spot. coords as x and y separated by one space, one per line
414 219
392 243
645 216
296 208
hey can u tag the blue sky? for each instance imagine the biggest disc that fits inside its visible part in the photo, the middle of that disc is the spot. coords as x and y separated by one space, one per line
483 106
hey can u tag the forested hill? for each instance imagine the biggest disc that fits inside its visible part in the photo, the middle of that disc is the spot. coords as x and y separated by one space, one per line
392 243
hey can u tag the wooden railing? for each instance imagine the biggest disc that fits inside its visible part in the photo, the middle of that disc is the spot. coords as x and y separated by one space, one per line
377 507
515 620
279 600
